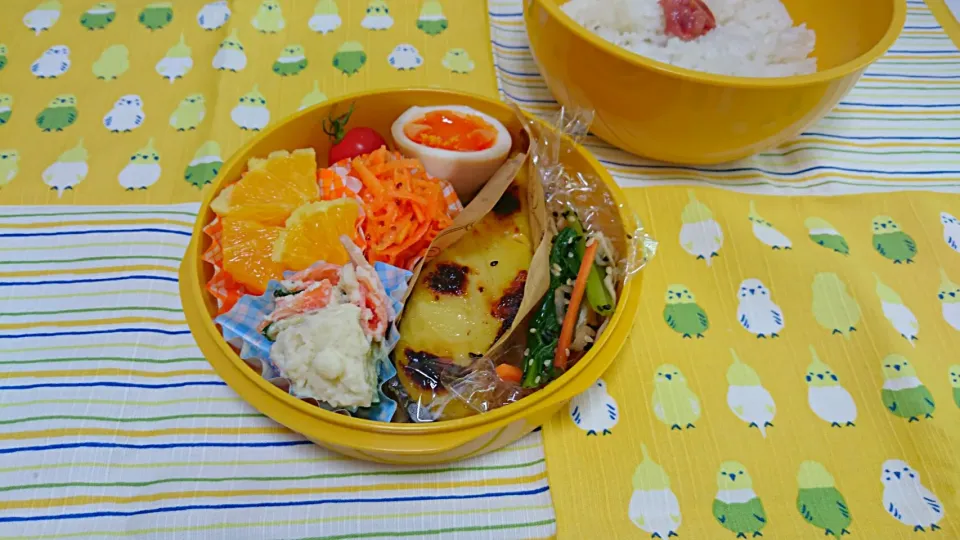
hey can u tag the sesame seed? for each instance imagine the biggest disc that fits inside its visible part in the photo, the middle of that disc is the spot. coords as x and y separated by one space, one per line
570 255
526 352
533 330
537 380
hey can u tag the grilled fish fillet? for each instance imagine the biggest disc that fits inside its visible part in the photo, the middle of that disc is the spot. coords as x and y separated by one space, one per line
463 301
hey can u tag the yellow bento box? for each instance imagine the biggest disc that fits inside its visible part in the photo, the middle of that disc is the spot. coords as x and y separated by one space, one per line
365 439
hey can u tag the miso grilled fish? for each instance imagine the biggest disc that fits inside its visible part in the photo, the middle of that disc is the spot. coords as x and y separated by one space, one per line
463 301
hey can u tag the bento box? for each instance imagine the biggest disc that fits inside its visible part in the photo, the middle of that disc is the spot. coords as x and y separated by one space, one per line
453 376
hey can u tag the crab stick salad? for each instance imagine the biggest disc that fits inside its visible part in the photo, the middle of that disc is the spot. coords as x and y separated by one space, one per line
325 325
459 144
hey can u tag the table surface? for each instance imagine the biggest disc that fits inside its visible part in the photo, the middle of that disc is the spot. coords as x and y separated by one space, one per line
117 426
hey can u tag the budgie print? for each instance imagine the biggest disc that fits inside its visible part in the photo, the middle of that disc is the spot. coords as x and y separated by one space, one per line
765 232
674 403
594 411
458 61
292 61
377 16
903 394
3 56
126 115
326 17
350 57
6 108
230 56
213 15
737 507
827 398
819 501
833 307
951 231
189 113
949 295
700 235
906 499
43 17
891 242
143 169
205 165
269 17
99 16
251 112
9 166
59 114
405 57
313 97
955 383
899 315
53 63
824 234
114 61
68 171
757 312
156 15
177 62
432 20
683 315
654 507
747 398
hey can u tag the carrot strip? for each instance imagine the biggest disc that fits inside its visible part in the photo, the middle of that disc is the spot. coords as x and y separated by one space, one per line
573 308
369 180
509 372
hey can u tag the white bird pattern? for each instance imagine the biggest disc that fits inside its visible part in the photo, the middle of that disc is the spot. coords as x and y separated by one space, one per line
54 62
39 20
213 15
908 500
757 312
833 404
766 233
594 411
126 115
753 405
951 231
702 239
404 57
902 319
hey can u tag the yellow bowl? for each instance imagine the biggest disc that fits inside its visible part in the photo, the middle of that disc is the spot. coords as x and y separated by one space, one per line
364 439
668 113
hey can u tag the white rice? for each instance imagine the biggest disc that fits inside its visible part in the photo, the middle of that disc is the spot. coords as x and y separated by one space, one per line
753 38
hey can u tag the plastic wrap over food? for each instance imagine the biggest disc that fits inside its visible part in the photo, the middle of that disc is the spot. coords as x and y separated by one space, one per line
569 190
242 328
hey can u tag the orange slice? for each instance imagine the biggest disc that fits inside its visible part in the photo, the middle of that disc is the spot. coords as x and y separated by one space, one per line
272 188
313 234
248 253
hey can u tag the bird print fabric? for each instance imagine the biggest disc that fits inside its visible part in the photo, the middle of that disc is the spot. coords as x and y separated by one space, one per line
736 506
827 398
757 312
907 500
747 398
683 315
903 394
674 403
819 502
654 508
595 411
700 235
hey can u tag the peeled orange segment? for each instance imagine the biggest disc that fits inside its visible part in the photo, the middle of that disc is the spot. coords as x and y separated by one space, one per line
313 234
272 188
247 248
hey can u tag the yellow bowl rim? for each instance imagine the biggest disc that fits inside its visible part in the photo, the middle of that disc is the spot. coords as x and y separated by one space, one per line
591 366
638 60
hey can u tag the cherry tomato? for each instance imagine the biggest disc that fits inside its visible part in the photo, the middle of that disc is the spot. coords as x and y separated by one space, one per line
349 144
357 141
687 19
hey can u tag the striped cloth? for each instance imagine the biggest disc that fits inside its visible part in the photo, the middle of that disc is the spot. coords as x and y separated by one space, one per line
112 424
889 133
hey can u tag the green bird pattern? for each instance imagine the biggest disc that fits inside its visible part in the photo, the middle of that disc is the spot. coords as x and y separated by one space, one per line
903 394
99 16
6 108
819 502
156 16
292 61
824 234
59 114
682 314
3 56
891 242
736 506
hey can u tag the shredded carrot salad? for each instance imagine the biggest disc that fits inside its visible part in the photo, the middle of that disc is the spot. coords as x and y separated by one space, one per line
404 208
